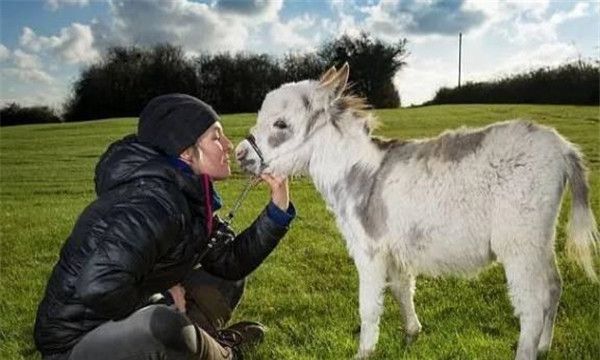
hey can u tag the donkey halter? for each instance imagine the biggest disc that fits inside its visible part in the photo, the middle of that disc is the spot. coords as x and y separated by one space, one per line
252 141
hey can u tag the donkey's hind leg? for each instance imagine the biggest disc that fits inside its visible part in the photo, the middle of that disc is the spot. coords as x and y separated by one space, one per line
532 296
554 288
402 285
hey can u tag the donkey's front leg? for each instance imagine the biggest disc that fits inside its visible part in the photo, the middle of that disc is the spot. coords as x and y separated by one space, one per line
372 280
403 288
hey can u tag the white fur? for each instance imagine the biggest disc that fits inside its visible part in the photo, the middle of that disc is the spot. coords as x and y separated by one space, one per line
499 202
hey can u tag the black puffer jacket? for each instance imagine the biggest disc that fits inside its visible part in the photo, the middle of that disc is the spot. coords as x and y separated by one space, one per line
140 236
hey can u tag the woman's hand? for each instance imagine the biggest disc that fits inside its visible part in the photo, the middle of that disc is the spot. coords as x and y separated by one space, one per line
280 193
178 294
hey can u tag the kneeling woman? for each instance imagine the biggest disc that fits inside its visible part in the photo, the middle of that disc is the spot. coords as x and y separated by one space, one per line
153 217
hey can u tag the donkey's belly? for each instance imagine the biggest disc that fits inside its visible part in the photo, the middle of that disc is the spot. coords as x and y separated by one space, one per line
436 237
437 256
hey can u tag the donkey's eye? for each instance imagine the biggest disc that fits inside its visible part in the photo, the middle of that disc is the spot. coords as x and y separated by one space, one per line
280 124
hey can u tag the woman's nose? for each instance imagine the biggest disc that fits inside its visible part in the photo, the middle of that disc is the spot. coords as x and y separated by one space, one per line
240 153
226 143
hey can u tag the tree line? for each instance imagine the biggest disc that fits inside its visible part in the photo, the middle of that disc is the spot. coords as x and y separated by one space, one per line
573 83
15 114
123 82
126 78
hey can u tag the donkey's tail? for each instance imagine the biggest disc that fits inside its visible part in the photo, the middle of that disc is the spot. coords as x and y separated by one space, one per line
583 237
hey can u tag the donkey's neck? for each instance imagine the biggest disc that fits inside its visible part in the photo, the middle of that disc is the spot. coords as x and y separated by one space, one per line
343 159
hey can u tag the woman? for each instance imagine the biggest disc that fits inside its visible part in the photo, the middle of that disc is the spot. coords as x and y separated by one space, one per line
144 234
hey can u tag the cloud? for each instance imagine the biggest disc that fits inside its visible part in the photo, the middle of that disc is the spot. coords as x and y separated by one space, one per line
24 60
578 11
31 41
27 67
28 75
106 36
525 22
290 34
4 53
418 81
195 26
344 21
420 17
499 11
55 4
73 44
47 95
76 44
548 54
266 9
544 29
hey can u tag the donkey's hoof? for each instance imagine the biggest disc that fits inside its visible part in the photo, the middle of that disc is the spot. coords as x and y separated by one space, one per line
543 354
410 338
363 354
543 349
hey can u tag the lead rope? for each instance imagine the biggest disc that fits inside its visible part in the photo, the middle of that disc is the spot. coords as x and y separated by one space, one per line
251 182
214 240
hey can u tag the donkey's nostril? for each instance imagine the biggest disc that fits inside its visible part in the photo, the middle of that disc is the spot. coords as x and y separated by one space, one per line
240 154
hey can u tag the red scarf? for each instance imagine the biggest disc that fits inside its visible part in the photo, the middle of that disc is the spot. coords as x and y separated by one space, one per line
208 201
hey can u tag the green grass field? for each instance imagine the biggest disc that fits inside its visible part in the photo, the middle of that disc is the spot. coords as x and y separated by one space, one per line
306 291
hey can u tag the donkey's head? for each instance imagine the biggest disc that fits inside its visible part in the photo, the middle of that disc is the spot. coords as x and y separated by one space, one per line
293 120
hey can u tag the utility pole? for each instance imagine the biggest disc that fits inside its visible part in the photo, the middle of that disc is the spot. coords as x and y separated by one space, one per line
459 55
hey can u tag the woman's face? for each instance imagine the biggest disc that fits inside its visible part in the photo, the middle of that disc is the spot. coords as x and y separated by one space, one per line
210 154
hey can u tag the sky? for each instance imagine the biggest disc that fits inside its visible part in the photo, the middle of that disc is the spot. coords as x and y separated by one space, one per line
45 44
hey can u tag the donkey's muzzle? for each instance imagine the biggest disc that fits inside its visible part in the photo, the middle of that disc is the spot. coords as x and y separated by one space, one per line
252 141
249 157
241 153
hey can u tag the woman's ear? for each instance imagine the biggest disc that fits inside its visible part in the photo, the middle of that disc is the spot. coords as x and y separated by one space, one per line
187 155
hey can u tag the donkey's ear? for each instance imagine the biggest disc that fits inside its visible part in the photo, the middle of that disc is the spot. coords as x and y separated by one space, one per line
327 75
336 84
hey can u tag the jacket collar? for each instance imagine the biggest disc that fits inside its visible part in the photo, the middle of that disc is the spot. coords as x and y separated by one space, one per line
215 199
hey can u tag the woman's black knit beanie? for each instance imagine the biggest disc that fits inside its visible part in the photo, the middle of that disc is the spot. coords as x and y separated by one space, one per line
173 122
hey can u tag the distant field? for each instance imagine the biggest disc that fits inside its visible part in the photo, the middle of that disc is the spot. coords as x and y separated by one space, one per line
306 291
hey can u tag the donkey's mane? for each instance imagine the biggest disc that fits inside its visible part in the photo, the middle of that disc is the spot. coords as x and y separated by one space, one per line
354 103
359 108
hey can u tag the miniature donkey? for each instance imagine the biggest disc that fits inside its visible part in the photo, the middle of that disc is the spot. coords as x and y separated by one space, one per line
445 205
